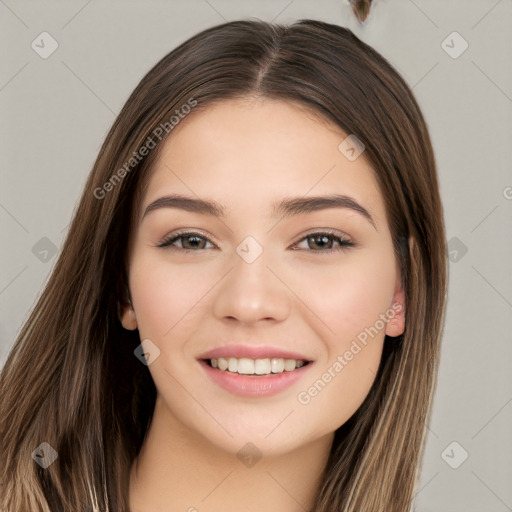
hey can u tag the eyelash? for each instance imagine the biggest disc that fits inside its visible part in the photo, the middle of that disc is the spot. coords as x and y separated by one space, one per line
344 242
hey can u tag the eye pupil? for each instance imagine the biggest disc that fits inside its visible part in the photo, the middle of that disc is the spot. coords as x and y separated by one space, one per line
321 240
193 237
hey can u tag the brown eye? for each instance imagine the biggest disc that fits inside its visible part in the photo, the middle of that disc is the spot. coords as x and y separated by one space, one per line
190 241
323 242
193 241
320 241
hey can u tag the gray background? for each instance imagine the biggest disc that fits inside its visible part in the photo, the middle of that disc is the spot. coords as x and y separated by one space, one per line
56 113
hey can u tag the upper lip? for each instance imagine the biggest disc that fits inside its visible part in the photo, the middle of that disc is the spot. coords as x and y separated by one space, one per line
252 352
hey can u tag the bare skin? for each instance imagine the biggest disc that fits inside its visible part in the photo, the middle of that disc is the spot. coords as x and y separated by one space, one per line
314 299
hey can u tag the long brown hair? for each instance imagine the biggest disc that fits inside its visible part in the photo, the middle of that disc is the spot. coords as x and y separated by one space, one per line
71 378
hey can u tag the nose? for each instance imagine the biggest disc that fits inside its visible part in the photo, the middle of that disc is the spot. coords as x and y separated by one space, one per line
253 291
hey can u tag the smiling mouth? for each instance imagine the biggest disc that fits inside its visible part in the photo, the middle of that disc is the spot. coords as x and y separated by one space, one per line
256 367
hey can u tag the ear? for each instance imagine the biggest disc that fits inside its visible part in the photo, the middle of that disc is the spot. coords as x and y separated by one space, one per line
396 324
127 317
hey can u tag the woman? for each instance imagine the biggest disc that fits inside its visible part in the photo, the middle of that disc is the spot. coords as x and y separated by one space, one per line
246 313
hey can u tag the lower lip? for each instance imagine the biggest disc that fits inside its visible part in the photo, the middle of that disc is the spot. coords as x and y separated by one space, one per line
254 386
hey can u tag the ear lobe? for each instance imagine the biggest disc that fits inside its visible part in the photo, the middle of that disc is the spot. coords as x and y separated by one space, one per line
127 317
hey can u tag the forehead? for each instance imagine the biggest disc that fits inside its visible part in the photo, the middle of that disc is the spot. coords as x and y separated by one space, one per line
254 152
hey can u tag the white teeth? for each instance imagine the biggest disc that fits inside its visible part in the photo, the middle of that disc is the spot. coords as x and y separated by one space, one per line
277 365
289 364
262 366
246 366
232 364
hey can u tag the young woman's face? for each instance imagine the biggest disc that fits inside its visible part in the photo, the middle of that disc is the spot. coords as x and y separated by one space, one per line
256 286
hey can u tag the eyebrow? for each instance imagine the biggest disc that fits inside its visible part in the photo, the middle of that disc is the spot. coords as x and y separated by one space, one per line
287 207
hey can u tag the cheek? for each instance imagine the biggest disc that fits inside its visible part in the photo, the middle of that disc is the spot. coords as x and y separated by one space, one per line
349 302
164 296
349 298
